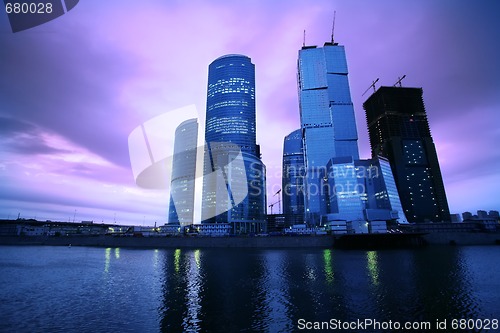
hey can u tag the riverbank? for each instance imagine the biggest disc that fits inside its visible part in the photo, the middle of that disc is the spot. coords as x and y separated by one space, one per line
324 241
462 238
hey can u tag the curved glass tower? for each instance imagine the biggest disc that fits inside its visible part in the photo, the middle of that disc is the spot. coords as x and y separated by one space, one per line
181 206
231 102
293 177
234 175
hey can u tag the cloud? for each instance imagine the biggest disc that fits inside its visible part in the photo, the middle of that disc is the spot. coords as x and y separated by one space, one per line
71 91
24 138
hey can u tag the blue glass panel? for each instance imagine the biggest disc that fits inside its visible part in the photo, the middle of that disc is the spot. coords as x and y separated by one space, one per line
312 69
335 59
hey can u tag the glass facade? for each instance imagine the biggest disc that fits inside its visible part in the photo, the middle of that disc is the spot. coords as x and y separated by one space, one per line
293 177
231 102
399 131
234 175
380 193
181 208
362 190
327 119
344 192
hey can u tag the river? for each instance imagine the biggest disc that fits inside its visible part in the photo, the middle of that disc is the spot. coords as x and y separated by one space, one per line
87 289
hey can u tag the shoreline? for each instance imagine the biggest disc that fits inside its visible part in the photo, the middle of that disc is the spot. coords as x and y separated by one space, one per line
324 241
360 241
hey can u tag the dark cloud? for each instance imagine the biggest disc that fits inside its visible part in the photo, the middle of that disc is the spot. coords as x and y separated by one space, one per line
63 83
24 138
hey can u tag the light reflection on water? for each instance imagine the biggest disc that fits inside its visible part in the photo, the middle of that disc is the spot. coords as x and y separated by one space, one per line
193 290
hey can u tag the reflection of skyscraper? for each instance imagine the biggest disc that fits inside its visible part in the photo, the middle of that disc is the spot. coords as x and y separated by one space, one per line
327 118
181 207
399 131
232 166
293 177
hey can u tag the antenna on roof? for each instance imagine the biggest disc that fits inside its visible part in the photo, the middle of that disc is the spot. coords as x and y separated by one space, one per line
399 81
371 85
333 25
304 42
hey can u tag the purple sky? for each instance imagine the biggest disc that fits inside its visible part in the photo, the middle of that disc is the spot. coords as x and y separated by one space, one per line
72 90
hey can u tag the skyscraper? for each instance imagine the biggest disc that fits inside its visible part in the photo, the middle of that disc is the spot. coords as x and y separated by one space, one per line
293 177
327 118
362 190
181 208
399 130
234 175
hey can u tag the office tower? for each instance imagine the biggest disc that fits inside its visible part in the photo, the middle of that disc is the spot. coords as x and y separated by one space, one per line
380 192
362 190
293 178
342 190
326 116
181 208
234 175
399 131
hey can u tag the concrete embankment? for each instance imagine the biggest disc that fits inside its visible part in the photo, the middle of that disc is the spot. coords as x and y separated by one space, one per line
462 238
176 242
352 241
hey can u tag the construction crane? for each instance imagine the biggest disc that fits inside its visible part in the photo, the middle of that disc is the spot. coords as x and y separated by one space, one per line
272 205
399 81
371 86
279 200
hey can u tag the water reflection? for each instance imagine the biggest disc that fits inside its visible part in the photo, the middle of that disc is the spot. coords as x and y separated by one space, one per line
272 300
177 260
372 266
194 287
268 291
327 257
107 259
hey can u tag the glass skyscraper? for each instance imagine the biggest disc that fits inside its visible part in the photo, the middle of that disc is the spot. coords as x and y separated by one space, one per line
362 190
399 131
293 177
327 119
234 175
380 192
181 208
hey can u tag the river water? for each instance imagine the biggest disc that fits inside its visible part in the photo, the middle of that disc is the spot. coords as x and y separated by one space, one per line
84 289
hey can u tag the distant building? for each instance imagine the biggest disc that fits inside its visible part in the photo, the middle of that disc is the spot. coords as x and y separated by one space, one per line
399 131
234 175
326 117
455 218
482 214
181 208
210 229
494 214
293 178
466 216
277 222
